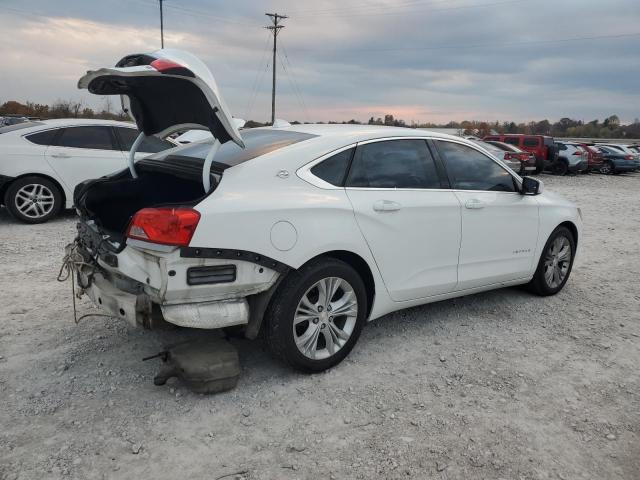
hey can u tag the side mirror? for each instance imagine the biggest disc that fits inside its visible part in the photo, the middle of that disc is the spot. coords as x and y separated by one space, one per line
531 186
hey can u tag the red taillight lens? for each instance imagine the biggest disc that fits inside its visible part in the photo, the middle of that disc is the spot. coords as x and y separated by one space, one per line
162 65
578 152
524 157
508 156
168 226
629 157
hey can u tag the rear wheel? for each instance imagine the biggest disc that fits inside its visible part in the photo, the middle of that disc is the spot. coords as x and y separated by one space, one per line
607 168
33 199
539 165
555 263
560 167
316 316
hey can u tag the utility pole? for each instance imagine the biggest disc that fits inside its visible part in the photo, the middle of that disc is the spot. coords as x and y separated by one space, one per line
275 28
161 26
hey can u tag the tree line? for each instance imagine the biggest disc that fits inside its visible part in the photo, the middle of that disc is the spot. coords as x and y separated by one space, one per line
610 127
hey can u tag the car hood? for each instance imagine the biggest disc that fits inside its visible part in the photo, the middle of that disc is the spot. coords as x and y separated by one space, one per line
166 91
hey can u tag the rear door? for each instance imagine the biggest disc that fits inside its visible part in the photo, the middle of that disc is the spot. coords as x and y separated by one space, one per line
499 225
84 152
410 222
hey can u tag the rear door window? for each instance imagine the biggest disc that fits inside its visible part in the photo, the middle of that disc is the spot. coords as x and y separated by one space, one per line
531 142
512 140
470 169
333 170
149 145
394 164
92 137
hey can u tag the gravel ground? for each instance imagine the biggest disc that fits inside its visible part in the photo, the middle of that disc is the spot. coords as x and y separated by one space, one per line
495 385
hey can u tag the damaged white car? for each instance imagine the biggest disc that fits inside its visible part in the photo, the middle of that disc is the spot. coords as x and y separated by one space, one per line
307 231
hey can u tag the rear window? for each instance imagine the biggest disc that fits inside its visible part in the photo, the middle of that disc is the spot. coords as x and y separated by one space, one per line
512 140
257 142
19 126
531 142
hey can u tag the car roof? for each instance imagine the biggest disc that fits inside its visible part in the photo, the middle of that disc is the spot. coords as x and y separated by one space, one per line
359 133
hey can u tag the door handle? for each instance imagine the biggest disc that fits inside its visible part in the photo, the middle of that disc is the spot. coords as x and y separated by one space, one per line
386 206
475 204
60 155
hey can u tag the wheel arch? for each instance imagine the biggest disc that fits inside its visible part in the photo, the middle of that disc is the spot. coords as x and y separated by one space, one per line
41 175
572 228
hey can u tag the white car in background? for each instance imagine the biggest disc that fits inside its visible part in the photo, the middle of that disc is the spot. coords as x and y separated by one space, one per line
305 231
41 162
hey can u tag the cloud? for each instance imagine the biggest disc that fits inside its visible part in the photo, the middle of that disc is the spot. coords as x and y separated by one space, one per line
418 60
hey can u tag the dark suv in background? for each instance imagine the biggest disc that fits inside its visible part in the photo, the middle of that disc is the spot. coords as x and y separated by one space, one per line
541 146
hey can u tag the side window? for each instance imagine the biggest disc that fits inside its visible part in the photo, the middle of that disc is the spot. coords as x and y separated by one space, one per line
394 164
531 142
149 144
43 138
561 146
471 170
512 141
97 138
333 169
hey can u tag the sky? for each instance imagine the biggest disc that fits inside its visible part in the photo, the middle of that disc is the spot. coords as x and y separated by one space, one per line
419 60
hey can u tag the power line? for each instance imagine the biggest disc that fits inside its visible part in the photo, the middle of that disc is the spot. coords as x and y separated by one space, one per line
405 12
293 82
485 45
275 29
258 78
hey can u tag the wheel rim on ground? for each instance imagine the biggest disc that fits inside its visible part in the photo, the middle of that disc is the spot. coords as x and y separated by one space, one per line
34 200
557 261
325 318
606 168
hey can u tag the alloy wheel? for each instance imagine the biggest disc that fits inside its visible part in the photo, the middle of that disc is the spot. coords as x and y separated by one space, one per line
325 318
34 200
557 261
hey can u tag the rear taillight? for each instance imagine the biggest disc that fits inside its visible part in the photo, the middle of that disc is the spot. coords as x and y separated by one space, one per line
167 226
164 65
629 157
524 157
578 152
508 156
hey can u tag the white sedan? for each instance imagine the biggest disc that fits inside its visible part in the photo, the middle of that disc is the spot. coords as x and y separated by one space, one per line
305 232
41 162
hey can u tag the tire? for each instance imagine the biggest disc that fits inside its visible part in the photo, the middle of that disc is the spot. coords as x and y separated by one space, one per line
539 166
316 330
607 168
560 167
33 199
543 284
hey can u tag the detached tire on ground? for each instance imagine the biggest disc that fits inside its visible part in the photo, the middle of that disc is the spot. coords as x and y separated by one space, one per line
33 199
556 262
316 315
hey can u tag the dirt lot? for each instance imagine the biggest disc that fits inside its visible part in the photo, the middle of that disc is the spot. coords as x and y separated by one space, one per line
497 385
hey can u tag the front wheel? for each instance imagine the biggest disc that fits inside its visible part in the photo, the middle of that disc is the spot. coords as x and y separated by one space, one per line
555 263
33 199
316 316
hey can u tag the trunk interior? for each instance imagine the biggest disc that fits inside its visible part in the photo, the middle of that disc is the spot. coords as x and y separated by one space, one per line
112 201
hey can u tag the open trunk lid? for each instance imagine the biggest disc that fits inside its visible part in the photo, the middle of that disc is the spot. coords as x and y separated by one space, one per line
166 91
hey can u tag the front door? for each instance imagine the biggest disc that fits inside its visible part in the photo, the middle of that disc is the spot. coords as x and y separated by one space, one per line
411 224
499 225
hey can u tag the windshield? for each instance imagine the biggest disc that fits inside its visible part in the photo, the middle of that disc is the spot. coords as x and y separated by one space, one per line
257 142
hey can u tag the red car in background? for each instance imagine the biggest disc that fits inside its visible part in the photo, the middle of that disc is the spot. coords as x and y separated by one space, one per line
541 146
595 159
